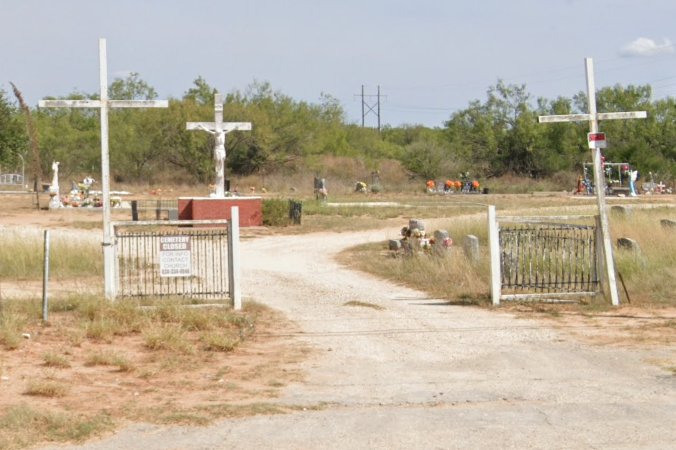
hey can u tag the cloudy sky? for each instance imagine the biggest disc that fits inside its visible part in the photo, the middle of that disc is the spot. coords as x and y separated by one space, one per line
429 57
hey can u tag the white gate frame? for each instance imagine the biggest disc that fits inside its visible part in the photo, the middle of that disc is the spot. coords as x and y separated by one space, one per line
234 258
494 246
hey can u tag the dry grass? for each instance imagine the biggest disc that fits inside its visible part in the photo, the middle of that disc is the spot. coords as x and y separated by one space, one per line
650 277
46 388
449 276
105 362
56 360
23 426
109 358
22 256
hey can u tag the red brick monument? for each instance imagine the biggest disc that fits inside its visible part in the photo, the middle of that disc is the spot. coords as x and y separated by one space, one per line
214 208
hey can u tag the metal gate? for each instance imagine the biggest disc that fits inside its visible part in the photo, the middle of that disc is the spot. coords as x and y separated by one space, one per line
166 258
547 257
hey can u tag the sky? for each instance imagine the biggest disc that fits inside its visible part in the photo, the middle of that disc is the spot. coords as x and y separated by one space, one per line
428 58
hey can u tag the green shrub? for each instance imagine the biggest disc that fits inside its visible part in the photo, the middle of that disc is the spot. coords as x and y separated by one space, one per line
276 212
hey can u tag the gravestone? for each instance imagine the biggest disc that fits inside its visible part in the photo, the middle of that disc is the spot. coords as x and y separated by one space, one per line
668 223
441 241
628 244
416 224
620 211
394 244
470 246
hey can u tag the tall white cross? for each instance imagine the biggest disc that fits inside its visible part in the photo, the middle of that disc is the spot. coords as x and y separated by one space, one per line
593 117
103 104
219 129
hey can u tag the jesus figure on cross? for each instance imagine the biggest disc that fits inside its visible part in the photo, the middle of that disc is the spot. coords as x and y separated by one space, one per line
219 154
219 129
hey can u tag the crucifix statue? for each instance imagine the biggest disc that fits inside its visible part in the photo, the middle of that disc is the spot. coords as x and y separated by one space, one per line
219 129
103 105
593 117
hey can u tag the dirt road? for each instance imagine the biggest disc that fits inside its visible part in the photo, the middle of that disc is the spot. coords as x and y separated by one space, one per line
419 373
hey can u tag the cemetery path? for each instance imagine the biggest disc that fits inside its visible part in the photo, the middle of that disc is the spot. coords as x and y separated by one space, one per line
406 371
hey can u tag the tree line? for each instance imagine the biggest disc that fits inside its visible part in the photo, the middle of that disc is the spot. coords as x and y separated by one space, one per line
497 136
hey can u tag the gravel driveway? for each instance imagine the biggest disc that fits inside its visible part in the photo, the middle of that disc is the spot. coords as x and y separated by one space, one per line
422 374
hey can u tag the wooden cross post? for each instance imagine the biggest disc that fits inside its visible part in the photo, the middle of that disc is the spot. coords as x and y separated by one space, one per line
219 129
593 117
103 104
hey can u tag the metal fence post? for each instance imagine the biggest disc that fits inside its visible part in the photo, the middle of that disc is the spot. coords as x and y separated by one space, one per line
134 210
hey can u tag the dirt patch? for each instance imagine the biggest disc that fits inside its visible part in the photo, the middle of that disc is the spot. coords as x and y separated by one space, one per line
625 326
53 369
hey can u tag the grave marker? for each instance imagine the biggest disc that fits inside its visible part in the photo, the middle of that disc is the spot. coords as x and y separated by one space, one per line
593 117
219 129
103 104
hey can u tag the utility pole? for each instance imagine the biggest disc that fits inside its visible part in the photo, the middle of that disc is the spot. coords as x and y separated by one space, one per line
368 107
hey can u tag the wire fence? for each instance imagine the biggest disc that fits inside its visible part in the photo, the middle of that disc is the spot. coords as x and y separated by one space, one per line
171 260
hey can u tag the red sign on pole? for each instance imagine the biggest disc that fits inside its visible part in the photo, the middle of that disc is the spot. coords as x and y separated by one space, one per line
596 140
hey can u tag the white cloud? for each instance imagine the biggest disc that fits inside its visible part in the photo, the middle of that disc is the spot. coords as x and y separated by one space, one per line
647 47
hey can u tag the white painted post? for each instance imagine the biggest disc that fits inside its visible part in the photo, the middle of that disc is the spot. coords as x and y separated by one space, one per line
599 182
494 245
108 249
234 268
593 117
103 104
219 129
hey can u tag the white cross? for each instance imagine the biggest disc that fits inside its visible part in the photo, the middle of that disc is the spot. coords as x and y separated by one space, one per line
103 104
593 117
219 129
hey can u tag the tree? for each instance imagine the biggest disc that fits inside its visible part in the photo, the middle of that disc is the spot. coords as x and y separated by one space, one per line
428 158
131 88
13 138
563 145
502 135
70 136
201 93
134 153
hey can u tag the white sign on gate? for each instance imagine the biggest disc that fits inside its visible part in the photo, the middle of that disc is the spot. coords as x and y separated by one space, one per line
175 256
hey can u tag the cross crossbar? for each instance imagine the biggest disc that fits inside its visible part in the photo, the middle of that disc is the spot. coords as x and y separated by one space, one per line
593 117
103 104
211 126
99 104
219 129
599 116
